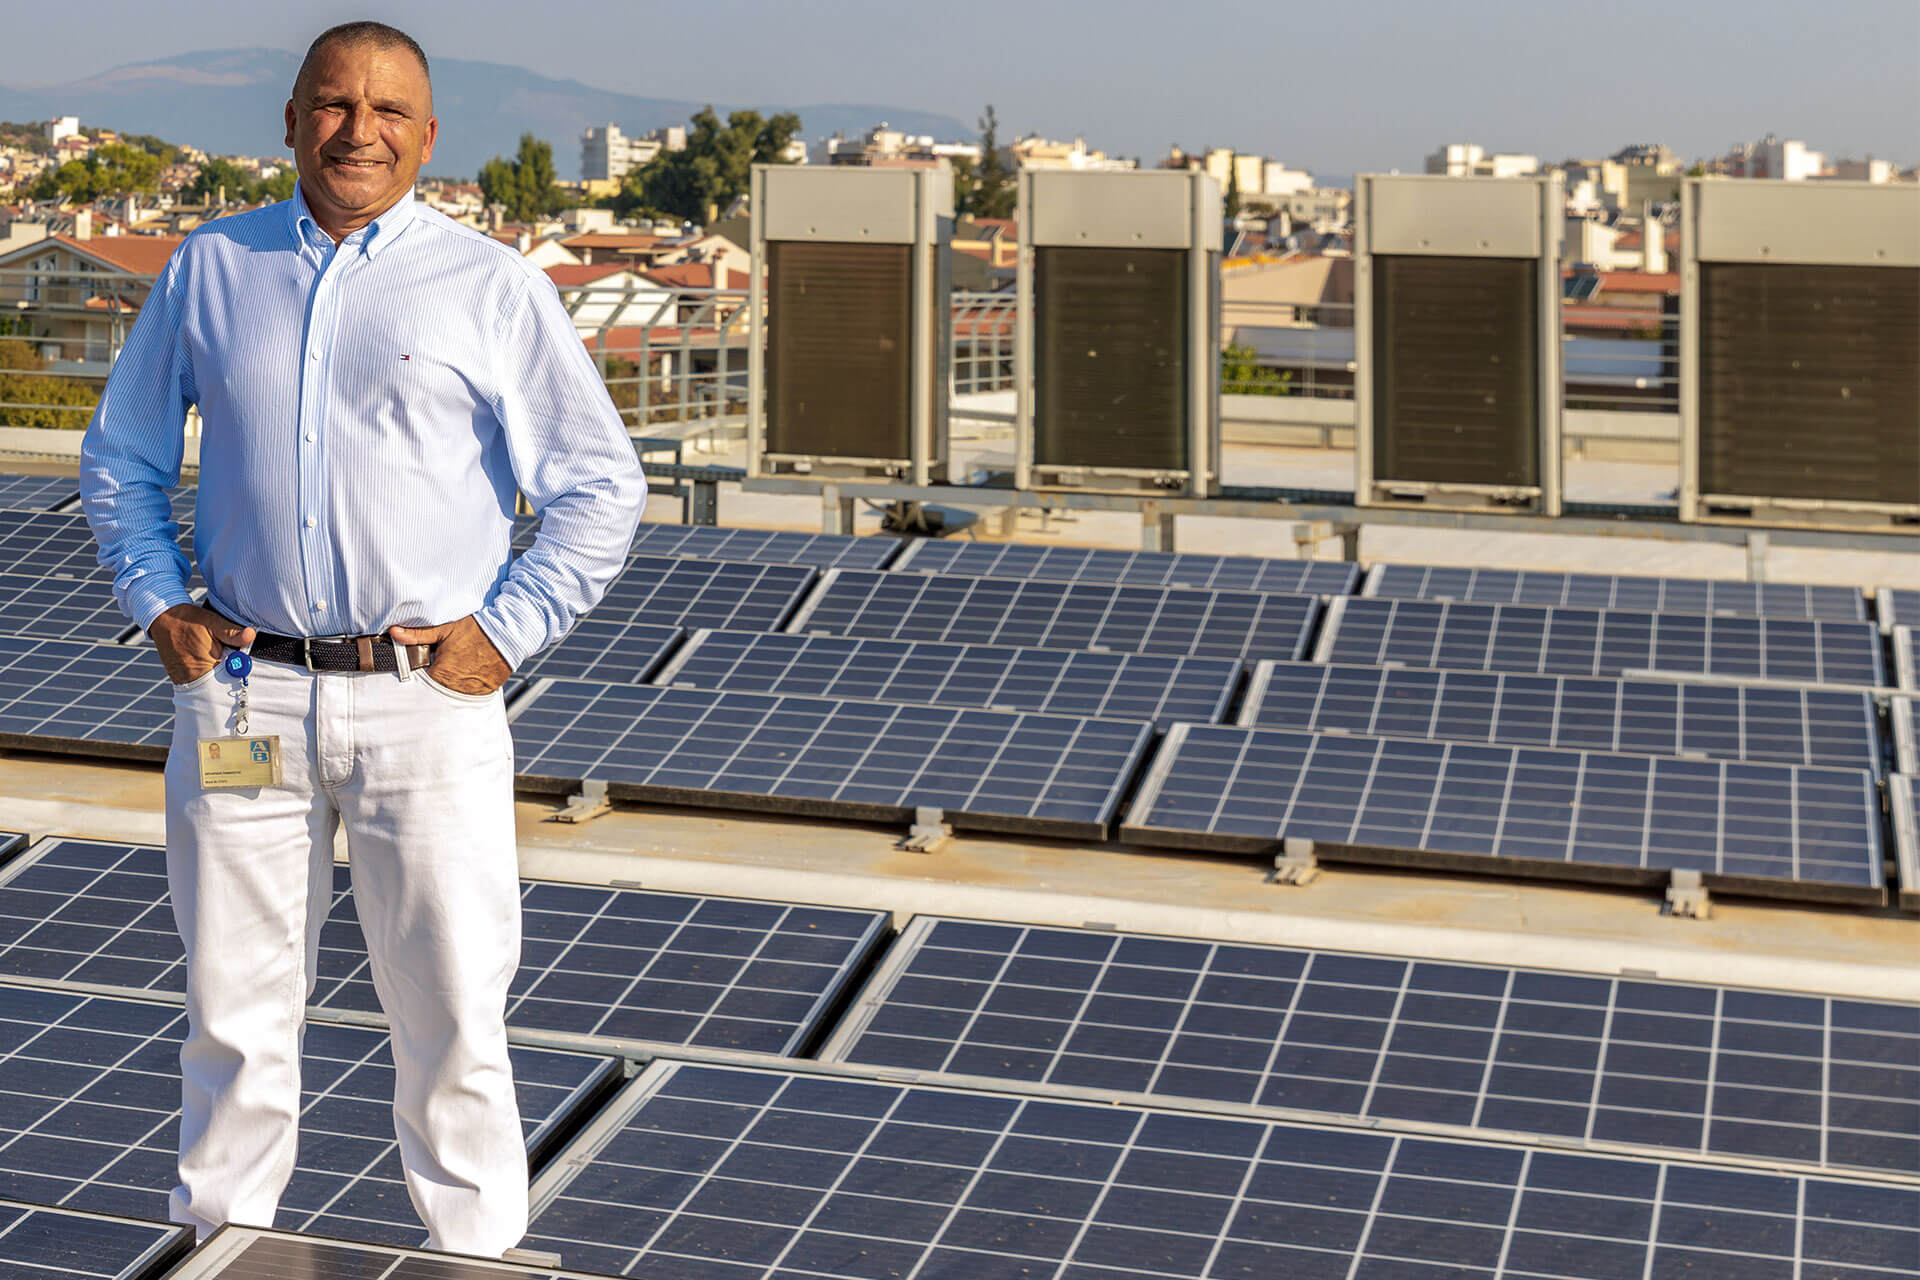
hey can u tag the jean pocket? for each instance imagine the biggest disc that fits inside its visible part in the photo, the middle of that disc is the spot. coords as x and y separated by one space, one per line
454 695
199 681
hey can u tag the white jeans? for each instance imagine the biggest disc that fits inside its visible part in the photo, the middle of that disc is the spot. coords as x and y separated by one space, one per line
423 778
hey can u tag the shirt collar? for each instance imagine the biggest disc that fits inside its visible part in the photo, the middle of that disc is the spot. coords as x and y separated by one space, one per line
372 238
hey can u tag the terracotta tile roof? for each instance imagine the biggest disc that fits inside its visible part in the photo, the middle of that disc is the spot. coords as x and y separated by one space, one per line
610 240
694 275
567 274
1640 282
136 255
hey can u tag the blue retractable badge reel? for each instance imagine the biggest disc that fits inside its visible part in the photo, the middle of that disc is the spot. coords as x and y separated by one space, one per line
239 664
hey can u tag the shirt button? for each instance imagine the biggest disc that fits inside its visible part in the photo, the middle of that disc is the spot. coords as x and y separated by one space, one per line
319 606
311 522
309 437
314 356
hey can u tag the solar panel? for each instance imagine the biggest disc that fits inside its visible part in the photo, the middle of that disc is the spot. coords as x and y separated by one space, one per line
51 582
703 593
1774 830
85 698
248 1253
1129 686
37 493
620 964
990 770
90 1101
767 546
1617 591
708 1173
1586 642
1129 568
38 1243
11 842
1906 748
1697 1068
612 650
1239 625
1644 717
1896 607
1906 840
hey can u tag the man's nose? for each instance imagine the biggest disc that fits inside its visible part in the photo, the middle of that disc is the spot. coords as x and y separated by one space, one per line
363 125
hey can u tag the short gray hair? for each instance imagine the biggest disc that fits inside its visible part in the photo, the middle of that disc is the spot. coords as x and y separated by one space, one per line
355 34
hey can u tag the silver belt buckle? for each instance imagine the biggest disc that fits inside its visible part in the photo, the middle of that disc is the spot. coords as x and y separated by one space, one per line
306 649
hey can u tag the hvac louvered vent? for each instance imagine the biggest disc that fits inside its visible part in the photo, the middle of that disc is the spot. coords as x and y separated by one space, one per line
1456 342
1120 353
1800 380
850 325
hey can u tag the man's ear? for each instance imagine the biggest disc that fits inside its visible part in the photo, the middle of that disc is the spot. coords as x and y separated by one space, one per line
431 132
291 115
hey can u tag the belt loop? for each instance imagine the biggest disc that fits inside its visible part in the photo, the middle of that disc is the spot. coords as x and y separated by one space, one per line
365 646
402 660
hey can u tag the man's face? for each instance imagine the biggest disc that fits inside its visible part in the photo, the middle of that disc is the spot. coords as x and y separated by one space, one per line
360 127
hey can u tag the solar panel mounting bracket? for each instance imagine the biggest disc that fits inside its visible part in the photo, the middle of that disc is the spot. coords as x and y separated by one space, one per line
930 832
586 804
531 1258
1296 864
1687 897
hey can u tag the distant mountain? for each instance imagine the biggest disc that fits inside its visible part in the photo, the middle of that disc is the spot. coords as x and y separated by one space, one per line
229 101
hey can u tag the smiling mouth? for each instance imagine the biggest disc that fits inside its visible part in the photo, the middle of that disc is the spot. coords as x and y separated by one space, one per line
356 164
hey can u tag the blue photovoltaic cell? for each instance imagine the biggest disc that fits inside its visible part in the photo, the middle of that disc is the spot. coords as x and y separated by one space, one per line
707 1173
1645 717
1131 686
37 493
1610 591
986 769
38 1243
51 582
103 699
1131 568
1701 1069
1239 625
90 1113
610 650
680 969
45 544
703 593
1897 607
767 546
1781 830
1586 642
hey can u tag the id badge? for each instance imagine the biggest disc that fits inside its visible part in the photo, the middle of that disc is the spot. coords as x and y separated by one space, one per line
240 762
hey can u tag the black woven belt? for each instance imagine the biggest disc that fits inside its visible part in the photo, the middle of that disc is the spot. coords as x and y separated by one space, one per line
338 653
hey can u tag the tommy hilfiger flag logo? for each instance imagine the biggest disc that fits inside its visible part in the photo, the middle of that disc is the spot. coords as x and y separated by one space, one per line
405 356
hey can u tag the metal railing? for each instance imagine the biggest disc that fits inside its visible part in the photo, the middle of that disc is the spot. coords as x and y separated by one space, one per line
674 360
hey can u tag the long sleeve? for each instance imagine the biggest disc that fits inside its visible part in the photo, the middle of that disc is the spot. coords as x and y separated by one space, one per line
575 463
131 455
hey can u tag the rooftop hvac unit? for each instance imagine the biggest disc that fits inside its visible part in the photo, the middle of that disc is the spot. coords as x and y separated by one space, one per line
1456 335
1118 349
849 321
1800 352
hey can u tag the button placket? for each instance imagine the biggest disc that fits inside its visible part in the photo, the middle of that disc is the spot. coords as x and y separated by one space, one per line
315 400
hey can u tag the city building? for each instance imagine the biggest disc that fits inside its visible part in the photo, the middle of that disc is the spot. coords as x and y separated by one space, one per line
887 147
1470 160
60 128
608 155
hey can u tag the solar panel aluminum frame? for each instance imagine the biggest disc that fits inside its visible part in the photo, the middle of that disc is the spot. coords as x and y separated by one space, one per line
846 810
1131 831
227 1248
1437 216
1819 224
172 1243
1906 840
1175 212
1906 752
860 206
1377 578
1904 643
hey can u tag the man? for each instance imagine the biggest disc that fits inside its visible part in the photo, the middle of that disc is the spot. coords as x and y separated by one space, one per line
375 383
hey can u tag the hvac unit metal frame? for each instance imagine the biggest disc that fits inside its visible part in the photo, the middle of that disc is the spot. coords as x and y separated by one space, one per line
1153 209
859 206
1434 216
1760 222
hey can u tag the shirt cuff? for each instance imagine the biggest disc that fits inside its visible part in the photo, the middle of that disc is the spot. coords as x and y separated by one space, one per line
505 637
145 603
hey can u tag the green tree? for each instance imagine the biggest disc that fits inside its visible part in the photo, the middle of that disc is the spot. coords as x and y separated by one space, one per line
524 184
278 187
1242 375
714 167
113 170
217 177
1233 187
992 193
28 396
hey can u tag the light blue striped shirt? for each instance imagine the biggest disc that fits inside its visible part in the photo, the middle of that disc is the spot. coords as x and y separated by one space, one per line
368 413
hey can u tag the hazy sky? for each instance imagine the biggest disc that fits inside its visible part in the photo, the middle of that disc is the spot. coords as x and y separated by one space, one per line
1340 86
